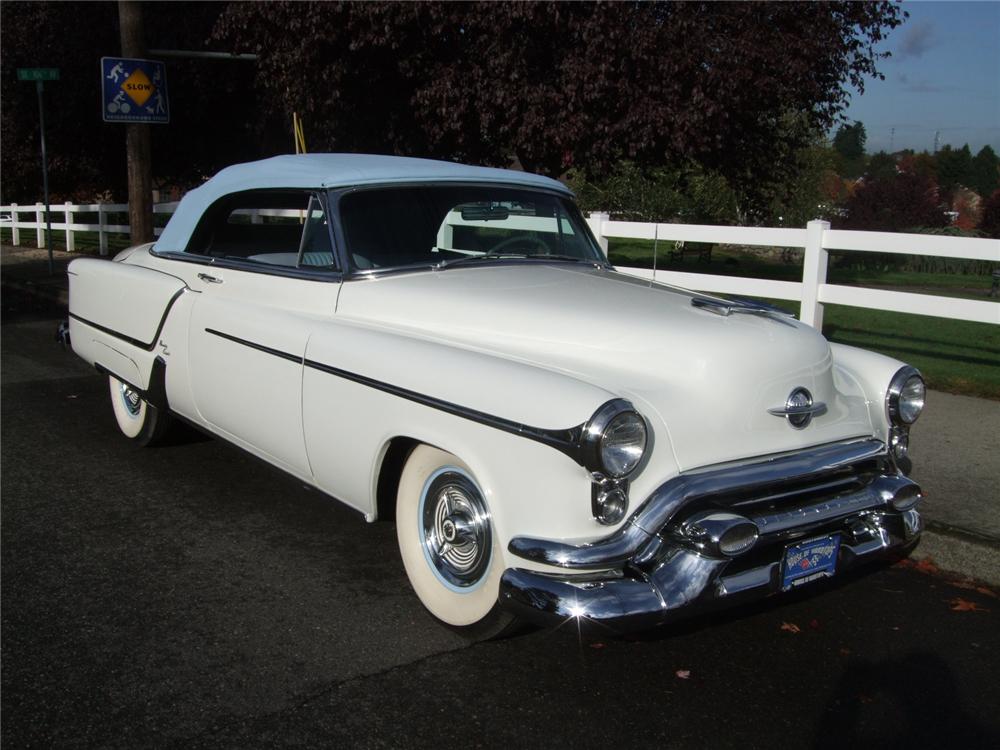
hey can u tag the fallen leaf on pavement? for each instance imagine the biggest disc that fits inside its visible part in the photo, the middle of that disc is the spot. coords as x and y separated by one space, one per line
791 627
970 586
927 565
964 605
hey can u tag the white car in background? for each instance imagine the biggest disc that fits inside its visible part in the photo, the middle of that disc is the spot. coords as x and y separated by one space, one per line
446 346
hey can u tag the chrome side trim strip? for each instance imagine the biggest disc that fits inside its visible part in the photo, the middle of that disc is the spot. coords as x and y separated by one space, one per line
128 339
253 345
661 505
566 441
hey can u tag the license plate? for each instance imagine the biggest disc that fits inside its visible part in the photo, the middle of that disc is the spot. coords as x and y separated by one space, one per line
809 561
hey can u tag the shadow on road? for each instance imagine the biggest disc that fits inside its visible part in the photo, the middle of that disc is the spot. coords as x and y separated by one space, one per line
907 701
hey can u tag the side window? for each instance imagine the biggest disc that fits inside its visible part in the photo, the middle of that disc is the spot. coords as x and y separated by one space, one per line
272 228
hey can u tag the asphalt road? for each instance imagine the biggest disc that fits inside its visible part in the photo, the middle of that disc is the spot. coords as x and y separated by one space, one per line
190 596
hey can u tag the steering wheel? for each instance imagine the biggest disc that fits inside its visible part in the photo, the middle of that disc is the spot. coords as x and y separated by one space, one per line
527 242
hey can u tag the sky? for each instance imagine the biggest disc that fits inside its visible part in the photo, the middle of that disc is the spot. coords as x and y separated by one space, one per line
943 76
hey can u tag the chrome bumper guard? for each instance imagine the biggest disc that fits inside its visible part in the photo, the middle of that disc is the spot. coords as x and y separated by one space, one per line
650 574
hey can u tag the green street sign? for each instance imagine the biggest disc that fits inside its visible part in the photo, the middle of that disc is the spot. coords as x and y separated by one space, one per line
38 74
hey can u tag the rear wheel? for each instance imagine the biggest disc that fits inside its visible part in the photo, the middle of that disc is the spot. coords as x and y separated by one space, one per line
138 420
450 551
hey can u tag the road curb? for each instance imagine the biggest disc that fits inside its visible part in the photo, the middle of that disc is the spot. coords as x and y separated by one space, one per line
960 553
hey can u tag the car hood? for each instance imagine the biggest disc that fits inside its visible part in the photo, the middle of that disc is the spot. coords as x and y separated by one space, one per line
703 380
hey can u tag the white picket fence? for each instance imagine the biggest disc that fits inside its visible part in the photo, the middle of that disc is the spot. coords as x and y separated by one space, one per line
816 239
65 211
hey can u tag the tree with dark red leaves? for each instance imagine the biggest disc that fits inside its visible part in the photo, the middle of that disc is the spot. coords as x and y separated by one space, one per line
989 221
552 85
563 84
904 202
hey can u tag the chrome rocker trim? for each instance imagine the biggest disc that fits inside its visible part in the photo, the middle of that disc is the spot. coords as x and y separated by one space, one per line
650 574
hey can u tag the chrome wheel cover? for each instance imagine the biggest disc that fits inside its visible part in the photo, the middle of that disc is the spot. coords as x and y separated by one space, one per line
455 529
131 399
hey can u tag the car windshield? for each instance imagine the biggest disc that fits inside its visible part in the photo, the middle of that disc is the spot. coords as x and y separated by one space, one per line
443 225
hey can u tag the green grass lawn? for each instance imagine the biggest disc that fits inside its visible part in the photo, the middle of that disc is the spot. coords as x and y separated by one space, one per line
952 355
731 261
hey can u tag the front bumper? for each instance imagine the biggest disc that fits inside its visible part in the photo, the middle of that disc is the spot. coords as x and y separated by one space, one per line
650 574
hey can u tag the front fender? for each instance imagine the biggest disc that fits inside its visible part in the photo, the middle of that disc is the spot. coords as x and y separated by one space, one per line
365 385
872 373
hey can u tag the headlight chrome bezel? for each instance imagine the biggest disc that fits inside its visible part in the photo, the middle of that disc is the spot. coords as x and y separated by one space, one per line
595 432
894 406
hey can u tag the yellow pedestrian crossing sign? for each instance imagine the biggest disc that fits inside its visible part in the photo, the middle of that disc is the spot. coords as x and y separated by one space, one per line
134 90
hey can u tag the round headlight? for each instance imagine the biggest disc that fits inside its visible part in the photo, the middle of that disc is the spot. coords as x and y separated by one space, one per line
614 440
911 399
905 399
623 443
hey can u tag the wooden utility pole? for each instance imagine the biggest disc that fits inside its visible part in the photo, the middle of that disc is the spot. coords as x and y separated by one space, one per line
137 136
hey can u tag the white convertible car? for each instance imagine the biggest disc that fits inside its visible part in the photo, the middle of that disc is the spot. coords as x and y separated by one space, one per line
447 346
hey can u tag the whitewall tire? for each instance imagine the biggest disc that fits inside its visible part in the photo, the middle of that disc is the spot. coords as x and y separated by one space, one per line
448 544
138 420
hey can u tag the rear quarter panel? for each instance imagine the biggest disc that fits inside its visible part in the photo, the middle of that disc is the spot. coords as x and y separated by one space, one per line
116 314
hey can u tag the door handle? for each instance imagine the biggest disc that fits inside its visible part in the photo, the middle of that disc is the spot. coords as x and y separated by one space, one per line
209 279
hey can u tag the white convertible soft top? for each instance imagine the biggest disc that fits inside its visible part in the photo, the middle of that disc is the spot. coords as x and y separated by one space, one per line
320 171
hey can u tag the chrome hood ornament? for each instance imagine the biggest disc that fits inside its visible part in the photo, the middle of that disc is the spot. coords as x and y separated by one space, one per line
799 409
725 308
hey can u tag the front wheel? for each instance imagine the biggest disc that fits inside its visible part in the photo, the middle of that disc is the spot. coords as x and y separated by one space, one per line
138 420
450 551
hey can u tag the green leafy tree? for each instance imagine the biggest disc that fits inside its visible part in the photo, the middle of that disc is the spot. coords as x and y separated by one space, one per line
881 166
849 143
803 194
984 177
954 168
685 194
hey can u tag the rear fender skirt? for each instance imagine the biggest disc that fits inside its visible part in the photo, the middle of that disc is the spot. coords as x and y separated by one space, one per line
156 393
